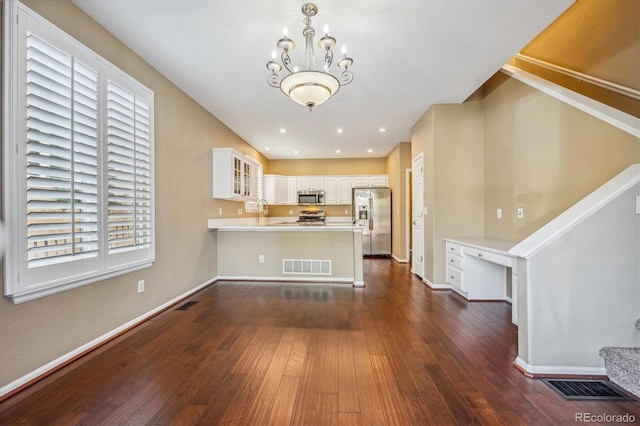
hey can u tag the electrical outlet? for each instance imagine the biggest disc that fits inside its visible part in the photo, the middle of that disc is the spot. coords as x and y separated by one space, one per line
140 286
520 213
261 258
220 211
346 212
290 212
499 213
239 212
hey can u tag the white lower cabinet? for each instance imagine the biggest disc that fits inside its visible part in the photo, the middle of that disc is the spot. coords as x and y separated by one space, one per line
455 266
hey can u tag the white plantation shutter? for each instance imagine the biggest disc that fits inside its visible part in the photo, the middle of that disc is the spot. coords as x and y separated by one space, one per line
62 131
143 172
79 181
129 176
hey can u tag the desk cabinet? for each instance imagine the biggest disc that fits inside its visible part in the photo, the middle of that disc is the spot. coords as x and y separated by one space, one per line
455 266
477 269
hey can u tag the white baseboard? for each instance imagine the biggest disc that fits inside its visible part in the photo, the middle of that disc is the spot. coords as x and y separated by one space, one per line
436 286
397 259
96 342
553 370
296 278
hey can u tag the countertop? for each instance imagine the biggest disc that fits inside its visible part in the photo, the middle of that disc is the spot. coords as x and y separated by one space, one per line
278 224
498 246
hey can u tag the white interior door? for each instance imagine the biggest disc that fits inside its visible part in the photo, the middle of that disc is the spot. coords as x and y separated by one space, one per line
417 222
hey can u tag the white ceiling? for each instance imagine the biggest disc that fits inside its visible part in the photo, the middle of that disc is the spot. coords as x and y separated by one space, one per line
408 55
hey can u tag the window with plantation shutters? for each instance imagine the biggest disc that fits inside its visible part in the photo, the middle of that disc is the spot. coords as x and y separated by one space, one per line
78 166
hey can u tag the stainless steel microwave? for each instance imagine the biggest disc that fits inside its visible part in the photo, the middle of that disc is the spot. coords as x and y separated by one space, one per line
311 198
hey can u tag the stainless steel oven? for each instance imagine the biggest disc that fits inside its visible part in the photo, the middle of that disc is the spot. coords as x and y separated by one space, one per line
311 198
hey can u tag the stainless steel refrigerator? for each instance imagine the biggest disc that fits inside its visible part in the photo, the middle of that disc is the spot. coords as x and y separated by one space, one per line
372 210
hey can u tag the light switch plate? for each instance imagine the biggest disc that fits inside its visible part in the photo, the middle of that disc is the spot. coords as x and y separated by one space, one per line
520 213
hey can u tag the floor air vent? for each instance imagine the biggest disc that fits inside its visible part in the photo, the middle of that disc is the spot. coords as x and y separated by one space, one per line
576 389
306 267
186 306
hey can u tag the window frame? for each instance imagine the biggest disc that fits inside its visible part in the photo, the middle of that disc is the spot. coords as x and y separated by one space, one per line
22 283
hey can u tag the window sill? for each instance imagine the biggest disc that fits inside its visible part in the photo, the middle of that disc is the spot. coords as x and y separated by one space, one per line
32 294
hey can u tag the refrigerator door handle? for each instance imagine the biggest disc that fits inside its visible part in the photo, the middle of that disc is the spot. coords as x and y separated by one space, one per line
370 214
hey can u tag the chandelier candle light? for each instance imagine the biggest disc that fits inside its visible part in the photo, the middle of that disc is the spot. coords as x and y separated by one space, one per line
309 86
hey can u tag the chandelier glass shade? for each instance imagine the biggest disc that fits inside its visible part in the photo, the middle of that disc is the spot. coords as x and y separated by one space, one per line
309 86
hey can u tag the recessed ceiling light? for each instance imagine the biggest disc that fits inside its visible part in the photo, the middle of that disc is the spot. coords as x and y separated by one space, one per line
369 150
295 152
338 151
339 130
382 130
283 130
266 148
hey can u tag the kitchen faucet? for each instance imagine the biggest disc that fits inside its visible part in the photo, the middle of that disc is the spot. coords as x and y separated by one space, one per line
261 201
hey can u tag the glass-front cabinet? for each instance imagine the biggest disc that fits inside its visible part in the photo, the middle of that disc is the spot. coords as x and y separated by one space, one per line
235 175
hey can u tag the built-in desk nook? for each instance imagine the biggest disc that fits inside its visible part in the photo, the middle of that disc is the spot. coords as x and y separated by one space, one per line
477 270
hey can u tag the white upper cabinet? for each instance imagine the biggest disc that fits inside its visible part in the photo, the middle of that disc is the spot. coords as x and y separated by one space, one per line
235 175
284 189
292 190
331 190
344 190
337 190
275 189
369 181
303 183
317 183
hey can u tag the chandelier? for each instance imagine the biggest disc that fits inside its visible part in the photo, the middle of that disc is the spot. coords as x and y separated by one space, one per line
309 86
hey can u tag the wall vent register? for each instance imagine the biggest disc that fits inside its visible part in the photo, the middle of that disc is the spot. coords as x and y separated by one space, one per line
306 267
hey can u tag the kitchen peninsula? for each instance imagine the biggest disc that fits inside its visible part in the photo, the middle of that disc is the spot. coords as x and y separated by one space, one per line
281 250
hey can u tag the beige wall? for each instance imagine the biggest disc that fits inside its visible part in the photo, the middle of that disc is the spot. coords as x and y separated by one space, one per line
597 38
37 332
278 245
398 161
328 166
543 155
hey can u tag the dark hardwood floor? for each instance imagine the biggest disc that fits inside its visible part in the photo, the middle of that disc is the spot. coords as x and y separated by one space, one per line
393 353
